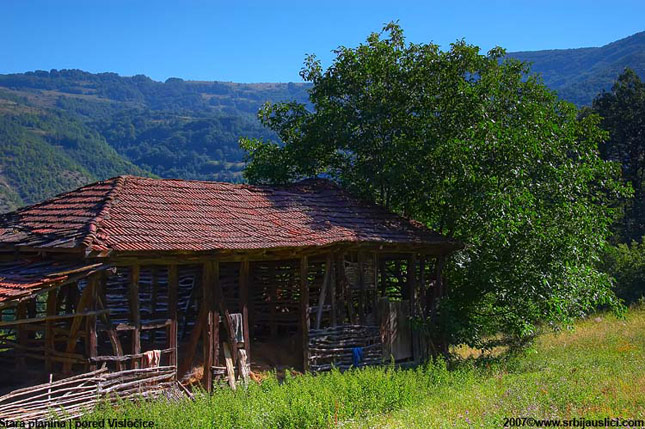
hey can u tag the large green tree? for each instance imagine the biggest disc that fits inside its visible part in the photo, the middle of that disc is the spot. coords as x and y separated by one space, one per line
476 148
623 115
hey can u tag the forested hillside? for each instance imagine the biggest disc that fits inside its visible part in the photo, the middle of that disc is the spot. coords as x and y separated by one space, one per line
578 75
63 128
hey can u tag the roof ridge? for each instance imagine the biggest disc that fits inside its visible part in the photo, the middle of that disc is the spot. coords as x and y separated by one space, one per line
95 224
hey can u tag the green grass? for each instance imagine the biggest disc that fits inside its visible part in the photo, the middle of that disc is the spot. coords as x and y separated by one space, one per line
593 371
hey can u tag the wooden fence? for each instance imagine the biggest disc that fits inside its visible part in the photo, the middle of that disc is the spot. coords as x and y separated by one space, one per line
334 347
72 397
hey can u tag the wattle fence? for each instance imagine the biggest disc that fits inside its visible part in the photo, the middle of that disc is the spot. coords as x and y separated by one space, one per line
72 397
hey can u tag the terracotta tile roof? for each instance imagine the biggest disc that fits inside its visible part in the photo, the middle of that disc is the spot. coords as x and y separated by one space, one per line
24 278
140 214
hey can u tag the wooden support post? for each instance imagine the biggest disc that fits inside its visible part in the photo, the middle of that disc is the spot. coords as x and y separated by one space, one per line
207 301
173 296
304 312
135 315
83 302
49 328
21 313
362 288
111 332
215 335
399 279
154 297
341 284
193 339
273 301
323 289
443 345
412 282
332 290
244 305
412 292
91 339
375 280
383 275
422 286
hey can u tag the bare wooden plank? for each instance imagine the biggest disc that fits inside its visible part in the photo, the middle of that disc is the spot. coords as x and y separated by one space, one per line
230 368
243 367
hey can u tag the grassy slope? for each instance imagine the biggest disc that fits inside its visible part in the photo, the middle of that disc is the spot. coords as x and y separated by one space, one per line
594 371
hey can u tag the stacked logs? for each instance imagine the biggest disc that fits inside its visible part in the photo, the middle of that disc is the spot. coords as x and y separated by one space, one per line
333 347
72 397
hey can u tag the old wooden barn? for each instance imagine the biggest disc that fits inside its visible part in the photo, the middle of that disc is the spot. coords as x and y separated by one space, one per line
197 275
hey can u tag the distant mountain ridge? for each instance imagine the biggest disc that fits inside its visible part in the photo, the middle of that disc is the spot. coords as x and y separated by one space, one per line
64 128
578 75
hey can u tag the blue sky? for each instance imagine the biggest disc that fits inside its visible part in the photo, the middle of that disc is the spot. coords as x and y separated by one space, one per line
266 41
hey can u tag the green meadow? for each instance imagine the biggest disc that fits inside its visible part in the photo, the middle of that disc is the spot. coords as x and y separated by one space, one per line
593 370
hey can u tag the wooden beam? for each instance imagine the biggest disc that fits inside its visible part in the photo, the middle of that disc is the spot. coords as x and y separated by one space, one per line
117 348
91 339
191 348
83 302
383 275
21 313
273 301
412 282
223 308
341 284
208 278
332 291
49 328
154 296
323 290
304 312
362 288
441 292
423 291
215 336
244 305
135 315
412 293
19 322
173 296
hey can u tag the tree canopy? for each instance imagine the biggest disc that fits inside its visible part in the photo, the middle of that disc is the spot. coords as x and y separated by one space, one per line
623 115
475 147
